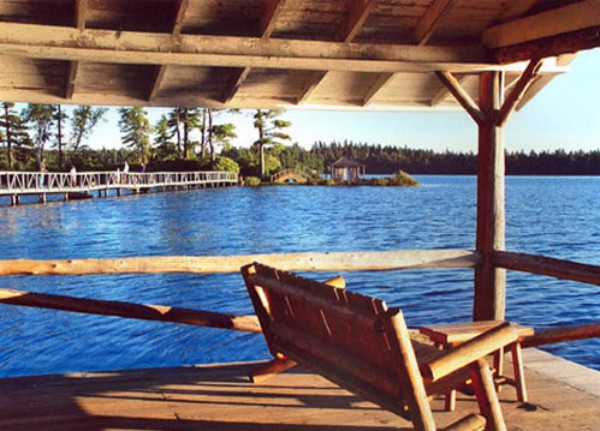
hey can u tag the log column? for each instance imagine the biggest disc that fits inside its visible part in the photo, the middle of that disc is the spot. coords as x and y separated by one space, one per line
490 281
491 113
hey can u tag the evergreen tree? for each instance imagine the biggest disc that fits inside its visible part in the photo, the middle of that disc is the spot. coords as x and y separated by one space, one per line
269 132
165 148
40 119
60 116
135 128
15 134
83 121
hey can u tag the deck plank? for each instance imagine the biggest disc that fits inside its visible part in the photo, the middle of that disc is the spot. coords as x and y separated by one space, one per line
221 398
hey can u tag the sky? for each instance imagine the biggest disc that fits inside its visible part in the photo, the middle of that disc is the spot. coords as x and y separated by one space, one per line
565 114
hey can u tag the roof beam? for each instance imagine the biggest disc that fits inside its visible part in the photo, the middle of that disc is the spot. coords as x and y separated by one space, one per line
431 20
159 73
358 13
575 27
465 100
63 43
81 7
267 26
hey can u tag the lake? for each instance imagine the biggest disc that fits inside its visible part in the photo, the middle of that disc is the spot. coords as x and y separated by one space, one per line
558 217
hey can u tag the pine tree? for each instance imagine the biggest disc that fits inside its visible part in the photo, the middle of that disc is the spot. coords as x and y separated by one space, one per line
269 132
135 127
83 121
40 118
15 134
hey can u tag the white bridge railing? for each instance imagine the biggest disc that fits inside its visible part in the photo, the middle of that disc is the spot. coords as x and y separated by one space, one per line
51 182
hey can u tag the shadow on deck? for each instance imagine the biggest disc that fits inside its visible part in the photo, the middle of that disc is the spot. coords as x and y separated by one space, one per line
220 398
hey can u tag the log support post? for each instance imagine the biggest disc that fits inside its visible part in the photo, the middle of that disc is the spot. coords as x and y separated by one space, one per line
491 113
490 281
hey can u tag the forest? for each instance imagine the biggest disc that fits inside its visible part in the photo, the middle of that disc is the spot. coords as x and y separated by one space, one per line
198 139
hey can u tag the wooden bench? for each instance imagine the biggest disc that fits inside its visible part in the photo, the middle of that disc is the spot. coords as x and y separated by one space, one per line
357 342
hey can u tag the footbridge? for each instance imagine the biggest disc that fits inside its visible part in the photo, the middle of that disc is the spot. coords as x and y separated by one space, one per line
87 184
289 174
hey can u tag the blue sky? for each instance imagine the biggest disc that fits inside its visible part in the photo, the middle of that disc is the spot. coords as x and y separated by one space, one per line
565 114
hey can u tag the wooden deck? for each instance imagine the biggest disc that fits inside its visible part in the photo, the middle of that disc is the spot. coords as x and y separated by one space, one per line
220 398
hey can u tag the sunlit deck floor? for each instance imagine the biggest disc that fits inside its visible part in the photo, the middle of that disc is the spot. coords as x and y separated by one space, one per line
220 398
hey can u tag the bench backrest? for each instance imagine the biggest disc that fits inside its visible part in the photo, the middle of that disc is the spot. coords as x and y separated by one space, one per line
352 339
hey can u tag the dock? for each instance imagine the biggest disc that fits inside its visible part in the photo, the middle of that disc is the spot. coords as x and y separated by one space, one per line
220 397
83 185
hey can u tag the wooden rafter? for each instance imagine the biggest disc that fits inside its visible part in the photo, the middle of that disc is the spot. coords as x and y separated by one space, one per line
379 84
81 7
268 22
518 91
430 20
160 71
357 15
575 26
465 100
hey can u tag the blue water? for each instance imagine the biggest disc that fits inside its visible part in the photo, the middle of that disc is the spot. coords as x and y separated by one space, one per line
552 216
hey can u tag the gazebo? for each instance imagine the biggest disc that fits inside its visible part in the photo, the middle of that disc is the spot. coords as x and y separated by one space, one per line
488 58
346 169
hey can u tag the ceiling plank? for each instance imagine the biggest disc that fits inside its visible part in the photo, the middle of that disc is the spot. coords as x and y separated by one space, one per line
160 71
430 20
358 13
462 96
379 84
268 22
566 19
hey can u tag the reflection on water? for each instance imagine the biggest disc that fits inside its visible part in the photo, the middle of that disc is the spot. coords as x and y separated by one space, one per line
551 216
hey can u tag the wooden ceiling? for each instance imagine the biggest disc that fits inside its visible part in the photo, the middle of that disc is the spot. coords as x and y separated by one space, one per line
377 54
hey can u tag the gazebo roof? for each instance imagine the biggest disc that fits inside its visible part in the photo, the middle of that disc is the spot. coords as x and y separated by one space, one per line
378 54
346 162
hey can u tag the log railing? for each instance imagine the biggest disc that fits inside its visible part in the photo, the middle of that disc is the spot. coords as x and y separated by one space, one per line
342 261
541 265
350 261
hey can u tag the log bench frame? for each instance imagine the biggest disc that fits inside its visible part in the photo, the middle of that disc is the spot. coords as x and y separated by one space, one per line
357 342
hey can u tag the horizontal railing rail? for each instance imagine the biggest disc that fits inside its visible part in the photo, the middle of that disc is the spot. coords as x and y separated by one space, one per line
159 313
339 261
549 266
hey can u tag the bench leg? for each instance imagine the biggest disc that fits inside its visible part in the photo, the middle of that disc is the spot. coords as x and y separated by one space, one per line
487 397
517 360
450 401
269 369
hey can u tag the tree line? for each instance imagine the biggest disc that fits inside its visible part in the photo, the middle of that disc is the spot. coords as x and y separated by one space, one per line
389 159
200 138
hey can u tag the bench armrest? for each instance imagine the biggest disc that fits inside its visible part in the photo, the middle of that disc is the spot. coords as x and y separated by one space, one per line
468 352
